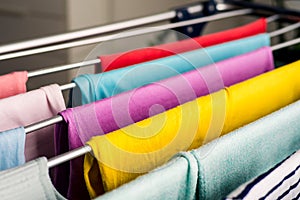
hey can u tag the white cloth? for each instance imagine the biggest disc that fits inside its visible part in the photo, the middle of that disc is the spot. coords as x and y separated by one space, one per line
280 182
29 181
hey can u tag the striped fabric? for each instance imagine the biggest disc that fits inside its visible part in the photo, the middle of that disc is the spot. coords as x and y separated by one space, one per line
280 182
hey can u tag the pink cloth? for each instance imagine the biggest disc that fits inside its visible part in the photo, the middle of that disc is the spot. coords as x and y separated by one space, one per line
13 84
31 107
107 115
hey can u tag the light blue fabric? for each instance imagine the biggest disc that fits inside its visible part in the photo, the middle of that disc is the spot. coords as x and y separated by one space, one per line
175 180
12 147
93 87
228 162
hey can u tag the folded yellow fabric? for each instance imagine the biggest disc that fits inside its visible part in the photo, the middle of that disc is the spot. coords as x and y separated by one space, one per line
122 155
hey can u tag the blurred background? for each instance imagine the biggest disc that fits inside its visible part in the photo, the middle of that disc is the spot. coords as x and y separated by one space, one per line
29 19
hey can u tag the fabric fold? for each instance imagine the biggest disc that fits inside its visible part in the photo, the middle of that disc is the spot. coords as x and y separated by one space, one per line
280 182
31 107
29 181
101 117
124 154
175 180
119 60
227 162
13 83
92 87
12 148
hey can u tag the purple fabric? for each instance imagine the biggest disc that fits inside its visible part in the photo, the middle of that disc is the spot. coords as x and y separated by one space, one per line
104 116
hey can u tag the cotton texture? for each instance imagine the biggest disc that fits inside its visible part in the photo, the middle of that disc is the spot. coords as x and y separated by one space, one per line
12 144
124 154
93 87
32 107
12 84
101 117
29 181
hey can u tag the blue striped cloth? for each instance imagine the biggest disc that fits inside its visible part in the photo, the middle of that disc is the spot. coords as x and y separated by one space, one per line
280 182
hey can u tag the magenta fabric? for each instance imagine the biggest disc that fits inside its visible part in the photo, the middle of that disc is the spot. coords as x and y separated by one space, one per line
101 117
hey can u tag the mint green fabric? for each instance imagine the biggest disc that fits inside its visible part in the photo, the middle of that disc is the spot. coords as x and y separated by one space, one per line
226 163
223 164
93 87
174 180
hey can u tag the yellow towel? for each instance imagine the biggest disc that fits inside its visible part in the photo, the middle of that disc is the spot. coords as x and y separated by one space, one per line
122 155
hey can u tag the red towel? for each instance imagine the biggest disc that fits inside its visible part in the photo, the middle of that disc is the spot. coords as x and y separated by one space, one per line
13 84
119 60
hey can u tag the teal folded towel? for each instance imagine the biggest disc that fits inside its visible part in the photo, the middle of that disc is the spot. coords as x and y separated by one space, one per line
93 87
228 162
175 180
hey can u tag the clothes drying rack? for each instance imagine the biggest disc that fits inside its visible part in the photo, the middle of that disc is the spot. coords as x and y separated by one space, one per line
67 40
86 148
80 34
91 31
